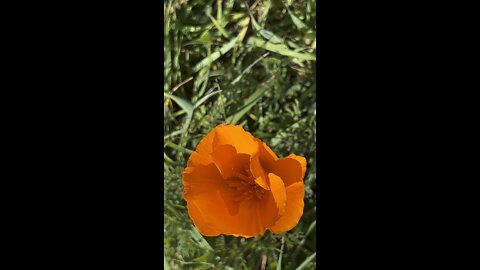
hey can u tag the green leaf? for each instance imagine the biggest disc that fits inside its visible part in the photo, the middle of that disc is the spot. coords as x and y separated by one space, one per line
279 265
249 103
223 50
219 26
203 258
165 263
248 68
178 148
184 104
199 239
298 23
279 49
168 159
310 229
207 96
210 59
268 35
203 39
271 37
307 261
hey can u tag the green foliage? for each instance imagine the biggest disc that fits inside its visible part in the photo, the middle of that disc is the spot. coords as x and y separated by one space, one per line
251 64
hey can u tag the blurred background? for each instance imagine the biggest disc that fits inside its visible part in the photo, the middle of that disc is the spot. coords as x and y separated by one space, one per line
250 63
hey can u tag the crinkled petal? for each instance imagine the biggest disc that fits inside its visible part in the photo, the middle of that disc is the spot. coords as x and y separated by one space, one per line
199 220
293 210
258 172
279 192
217 208
301 160
207 180
268 209
205 146
236 136
246 222
201 155
266 156
289 169
196 159
229 161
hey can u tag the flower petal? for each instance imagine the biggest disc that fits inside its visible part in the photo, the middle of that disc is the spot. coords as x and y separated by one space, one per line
205 146
201 155
266 156
196 159
207 180
258 172
289 169
278 192
236 136
246 222
201 179
272 205
199 220
302 161
215 207
228 161
293 209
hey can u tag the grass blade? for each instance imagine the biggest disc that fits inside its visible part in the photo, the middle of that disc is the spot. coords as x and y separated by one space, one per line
249 67
199 239
207 96
307 261
218 26
279 265
298 23
223 50
264 33
271 37
208 60
279 49
249 103
165 263
183 103
178 148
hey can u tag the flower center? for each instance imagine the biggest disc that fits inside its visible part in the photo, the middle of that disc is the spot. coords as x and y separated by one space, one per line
244 184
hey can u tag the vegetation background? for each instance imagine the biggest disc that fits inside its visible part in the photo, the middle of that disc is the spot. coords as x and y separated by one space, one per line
251 63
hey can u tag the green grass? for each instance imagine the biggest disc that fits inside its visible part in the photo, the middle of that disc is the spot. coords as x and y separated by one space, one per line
226 62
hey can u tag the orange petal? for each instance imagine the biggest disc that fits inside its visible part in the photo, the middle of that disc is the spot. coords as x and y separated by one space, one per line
266 156
203 189
236 136
278 192
293 209
247 222
196 159
272 205
205 146
302 161
199 221
258 172
228 161
196 181
201 179
201 155
289 169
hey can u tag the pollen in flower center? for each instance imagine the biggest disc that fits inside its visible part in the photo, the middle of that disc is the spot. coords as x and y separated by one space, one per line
244 184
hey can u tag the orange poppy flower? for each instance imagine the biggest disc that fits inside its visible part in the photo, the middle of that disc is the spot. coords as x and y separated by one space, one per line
234 184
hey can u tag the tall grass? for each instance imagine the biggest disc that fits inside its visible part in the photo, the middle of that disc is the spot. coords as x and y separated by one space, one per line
253 64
